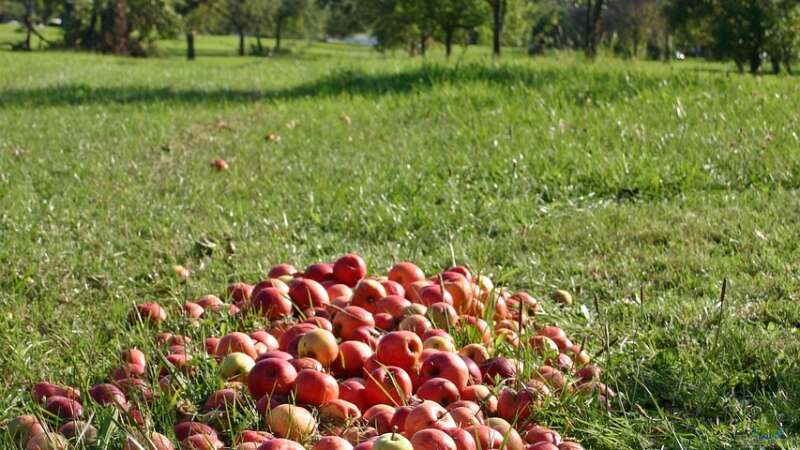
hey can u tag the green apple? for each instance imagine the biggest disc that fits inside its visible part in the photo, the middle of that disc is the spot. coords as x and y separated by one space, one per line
392 441
236 366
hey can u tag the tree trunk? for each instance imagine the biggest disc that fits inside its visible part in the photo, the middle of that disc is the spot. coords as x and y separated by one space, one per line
120 28
776 64
448 42
755 59
259 47
587 35
278 29
498 13
190 45
27 20
598 10
423 44
241 41
90 37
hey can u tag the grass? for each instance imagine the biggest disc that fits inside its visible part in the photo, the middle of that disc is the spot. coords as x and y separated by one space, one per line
612 180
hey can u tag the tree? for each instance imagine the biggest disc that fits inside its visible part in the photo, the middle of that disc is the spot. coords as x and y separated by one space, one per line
123 27
594 9
28 13
454 15
783 40
285 11
742 30
345 17
499 9
187 9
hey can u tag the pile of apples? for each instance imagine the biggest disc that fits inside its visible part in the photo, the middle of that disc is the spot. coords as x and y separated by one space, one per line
343 362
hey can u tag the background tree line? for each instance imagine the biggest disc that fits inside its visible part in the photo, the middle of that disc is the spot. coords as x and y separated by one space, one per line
748 32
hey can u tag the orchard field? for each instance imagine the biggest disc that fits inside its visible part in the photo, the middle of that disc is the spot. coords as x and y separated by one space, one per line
637 186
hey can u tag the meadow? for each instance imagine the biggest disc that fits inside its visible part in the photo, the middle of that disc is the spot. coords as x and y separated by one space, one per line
638 186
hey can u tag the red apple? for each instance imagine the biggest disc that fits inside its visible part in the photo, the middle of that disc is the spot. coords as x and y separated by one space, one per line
306 363
349 269
319 272
275 354
224 400
515 406
513 441
307 293
385 322
569 445
63 407
380 417
346 321
367 293
148 313
76 429
393 288
463 439
339 411
434 294
399 348
550 376
432 439
193 310
280 270
542 446
350 360
414 289
354 391
23 428
537 433
442 315
271 376
388 385
392 304
486 437
339 291
210 344
315 388
415 323
239 292
272 304
399 417
332 443
291 337
497 369
318 344
135 388
185 429
280 444
108 395
406 273
47 441
464 417
428 414
445 365
439 390
44 389
481 395
236 342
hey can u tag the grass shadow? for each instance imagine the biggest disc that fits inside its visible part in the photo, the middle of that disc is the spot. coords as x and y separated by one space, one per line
578 86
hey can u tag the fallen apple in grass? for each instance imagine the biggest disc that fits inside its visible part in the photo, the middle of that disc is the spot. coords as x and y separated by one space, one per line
373 358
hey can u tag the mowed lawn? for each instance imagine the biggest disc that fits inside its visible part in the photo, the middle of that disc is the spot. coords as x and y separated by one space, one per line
637 186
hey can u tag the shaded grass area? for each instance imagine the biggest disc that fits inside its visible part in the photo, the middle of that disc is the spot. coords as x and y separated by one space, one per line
639 187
